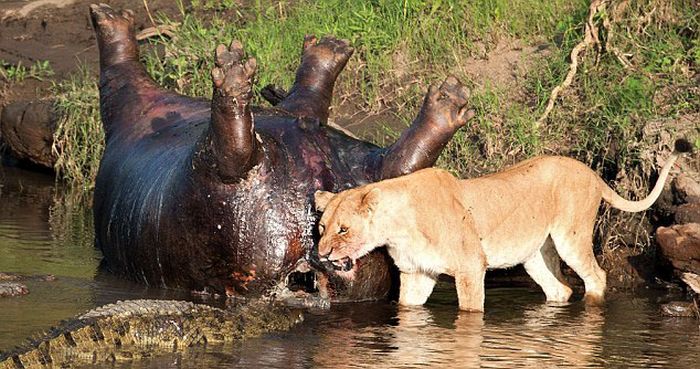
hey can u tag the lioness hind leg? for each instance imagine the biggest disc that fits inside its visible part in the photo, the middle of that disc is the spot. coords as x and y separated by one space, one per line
576 249
415 288
545 269
470 288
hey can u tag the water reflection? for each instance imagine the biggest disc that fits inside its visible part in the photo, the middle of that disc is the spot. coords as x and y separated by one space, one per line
45 229
42 231
441 336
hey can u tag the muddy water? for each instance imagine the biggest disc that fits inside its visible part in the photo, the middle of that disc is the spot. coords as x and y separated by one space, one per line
43 232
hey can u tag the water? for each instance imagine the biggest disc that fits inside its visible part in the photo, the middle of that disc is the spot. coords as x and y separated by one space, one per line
43 232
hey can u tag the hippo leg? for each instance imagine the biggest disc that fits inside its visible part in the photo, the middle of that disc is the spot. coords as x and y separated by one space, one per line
444 111
321 63
127 92
231 145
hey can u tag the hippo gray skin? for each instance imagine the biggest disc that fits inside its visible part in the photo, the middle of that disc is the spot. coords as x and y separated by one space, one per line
217 195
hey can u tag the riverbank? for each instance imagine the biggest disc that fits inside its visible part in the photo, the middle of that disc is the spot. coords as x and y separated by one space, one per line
635 89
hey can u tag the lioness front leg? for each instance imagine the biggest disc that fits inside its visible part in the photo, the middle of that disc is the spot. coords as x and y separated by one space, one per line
470 287
415 288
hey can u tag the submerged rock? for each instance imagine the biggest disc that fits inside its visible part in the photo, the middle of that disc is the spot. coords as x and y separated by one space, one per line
10 289
22 277
685 309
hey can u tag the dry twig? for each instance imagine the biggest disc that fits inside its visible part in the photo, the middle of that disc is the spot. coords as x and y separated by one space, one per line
162 30
590 38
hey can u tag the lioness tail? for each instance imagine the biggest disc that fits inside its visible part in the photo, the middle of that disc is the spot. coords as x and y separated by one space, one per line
609 195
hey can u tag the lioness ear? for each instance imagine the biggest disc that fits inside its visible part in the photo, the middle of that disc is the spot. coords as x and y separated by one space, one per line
321 199
370 199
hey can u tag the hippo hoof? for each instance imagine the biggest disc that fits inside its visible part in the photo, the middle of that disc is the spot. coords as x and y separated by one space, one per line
109 21
332 52
232 77
447 105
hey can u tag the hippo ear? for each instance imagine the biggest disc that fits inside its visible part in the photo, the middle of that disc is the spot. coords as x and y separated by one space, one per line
321 199
370 199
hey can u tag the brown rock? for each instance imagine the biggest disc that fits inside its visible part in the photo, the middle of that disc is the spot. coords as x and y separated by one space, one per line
680 244
687 189
27 128
9 289
687 213
692 280
16 277
679 309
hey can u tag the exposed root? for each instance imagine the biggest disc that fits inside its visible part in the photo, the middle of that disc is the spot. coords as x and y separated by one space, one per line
590 38
167 30
608 26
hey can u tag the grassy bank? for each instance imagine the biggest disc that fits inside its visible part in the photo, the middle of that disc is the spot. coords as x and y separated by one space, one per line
431 37
644 68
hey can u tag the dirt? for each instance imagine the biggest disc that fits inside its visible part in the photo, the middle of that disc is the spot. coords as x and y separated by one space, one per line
58 31
503 66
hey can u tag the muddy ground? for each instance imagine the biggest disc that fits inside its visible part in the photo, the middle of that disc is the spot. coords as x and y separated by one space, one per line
60 31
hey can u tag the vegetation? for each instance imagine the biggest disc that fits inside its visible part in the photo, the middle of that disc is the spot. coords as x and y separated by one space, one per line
431 37
645 67
79 138
18 72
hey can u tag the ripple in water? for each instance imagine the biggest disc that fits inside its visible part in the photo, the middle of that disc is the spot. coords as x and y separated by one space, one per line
39 234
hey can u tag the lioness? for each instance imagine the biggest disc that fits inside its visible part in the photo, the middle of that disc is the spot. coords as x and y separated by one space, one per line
433 223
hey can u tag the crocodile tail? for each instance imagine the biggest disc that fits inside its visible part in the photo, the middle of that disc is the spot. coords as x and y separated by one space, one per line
610 196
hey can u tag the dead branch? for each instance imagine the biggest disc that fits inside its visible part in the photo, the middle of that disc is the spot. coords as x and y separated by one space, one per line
590 38
161 30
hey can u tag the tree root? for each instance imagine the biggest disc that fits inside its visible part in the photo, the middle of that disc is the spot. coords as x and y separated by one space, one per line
590 39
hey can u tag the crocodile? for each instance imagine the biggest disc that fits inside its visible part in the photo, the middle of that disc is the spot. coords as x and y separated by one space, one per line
134 329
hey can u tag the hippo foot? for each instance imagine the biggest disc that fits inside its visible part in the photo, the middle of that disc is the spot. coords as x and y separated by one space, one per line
445 107
330 53
109 23
233 79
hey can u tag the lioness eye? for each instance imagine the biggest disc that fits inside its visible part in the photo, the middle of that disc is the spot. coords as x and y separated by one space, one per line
343 229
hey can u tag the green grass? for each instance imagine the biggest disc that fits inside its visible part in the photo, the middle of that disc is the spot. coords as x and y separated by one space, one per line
17 73
79 138
431 36
435 35
403 46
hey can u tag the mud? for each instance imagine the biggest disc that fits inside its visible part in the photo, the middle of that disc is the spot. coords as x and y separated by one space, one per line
62 35
60 32
505 65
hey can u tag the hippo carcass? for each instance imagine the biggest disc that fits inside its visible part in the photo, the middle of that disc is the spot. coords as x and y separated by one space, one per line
217 195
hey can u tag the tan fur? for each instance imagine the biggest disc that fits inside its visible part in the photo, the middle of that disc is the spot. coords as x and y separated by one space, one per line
531 213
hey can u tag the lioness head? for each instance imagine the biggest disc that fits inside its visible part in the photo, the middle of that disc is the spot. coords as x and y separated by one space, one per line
347 226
